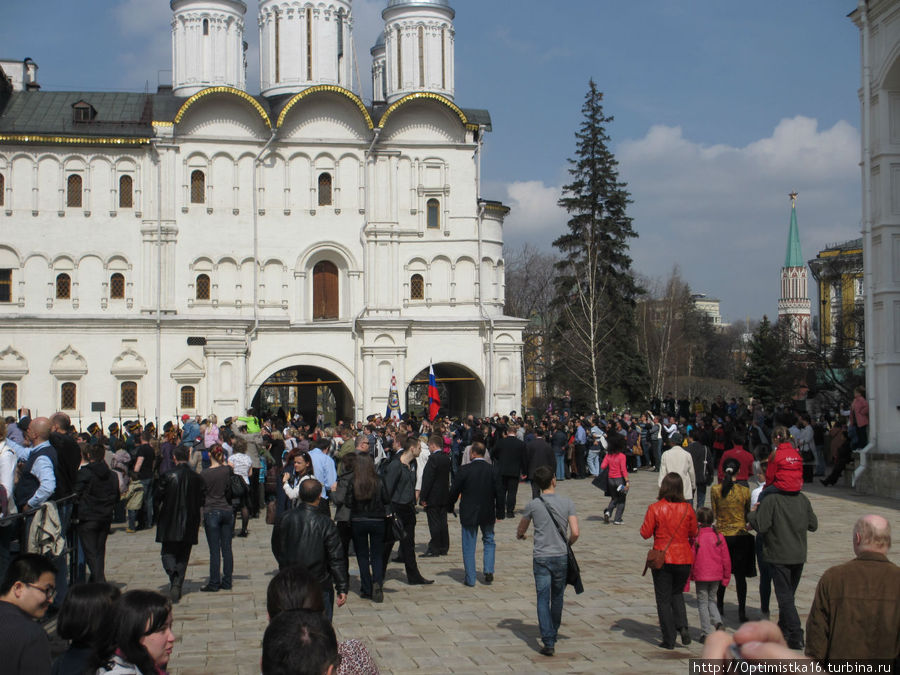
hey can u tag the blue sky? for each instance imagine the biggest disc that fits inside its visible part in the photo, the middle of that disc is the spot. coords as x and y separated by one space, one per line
721 109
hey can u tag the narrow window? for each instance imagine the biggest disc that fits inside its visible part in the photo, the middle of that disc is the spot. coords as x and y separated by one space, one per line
10 395
416 287
5 285
117 286
433 207
443 58
340 33
126 199
188 398
399 61
202 287
63 287
128 395
198 187
325 189
277 46
73 191
206 26
2 186
421 56
325 291
309 48
67 396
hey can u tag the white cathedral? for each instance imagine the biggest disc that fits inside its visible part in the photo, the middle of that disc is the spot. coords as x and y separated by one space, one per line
206 249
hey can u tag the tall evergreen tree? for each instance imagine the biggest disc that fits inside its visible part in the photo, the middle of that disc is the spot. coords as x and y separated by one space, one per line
596 348
771 374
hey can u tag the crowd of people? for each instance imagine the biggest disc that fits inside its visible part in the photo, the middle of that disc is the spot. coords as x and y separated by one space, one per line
354 488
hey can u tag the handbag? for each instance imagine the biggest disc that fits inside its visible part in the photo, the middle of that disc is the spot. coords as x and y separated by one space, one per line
656 558
601 480
573 573
238 486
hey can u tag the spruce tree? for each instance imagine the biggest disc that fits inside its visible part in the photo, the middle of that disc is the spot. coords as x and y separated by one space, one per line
771 373
596 349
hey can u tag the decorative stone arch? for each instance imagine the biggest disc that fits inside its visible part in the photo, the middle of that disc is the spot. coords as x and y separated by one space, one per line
68 365
13 365
9 257
325 89
430 98
222 91
128 364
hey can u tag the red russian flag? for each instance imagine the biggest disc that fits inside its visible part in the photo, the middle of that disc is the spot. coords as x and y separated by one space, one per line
434 397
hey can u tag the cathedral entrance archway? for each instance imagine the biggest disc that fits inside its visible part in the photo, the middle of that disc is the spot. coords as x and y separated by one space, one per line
316 393
461 390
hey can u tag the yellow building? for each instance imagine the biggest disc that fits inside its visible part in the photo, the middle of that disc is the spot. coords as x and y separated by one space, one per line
838 271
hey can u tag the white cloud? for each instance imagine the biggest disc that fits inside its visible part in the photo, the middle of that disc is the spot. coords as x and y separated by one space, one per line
721 212
147 47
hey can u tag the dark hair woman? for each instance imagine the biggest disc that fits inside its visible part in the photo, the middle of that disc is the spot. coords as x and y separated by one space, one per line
80 619
137 635
218 520
301 468
672 523
615 462
368 499
731 504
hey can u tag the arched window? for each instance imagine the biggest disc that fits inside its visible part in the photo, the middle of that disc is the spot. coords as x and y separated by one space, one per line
325 189
126 199
128 395
117 286
202 287
198 187
416 287
325 291
67 396
63 287
73 191
206 26
2 186
421 56
9 394
433 209
188 398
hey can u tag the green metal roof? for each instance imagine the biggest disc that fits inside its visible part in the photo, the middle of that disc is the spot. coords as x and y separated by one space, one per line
794 256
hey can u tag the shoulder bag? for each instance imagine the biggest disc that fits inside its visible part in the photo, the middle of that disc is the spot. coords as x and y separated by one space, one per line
573 573
656 558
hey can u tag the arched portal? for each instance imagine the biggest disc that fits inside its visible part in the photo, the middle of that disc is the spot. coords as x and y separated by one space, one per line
316 393
461 391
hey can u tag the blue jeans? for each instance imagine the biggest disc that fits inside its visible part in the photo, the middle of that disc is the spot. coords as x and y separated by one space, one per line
550 584
593 462
62 562
368 542
219 526
469 541
700 495
560 466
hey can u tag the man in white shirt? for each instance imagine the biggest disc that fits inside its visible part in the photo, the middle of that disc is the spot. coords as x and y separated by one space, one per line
678 460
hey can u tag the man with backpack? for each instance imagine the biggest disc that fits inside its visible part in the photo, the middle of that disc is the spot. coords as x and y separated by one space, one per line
704 465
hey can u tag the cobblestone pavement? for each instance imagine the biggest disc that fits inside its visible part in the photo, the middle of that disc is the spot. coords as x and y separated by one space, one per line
450 628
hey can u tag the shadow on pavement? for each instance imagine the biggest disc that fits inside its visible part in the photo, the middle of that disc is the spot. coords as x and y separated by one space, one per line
526 632
649 633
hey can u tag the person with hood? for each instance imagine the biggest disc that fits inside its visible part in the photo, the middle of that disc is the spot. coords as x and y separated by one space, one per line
97 488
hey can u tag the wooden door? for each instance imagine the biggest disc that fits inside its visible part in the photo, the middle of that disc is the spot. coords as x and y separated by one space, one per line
325 291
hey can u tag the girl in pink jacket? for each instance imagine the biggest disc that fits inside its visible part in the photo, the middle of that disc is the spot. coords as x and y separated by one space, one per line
712 566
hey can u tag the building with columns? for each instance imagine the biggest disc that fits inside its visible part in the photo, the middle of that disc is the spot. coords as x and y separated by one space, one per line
793 304
208 249
879 26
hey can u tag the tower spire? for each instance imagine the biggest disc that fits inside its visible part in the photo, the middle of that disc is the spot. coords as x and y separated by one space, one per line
794 306
794 255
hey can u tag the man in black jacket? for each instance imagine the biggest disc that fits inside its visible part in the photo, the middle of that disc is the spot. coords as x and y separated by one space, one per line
180 497
509 461
305 536
435 495
97 488
538 453
476 485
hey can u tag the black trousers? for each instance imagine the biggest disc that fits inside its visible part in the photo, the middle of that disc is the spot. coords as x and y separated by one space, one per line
407 515
668 586
92 534
437 528
509 488
175 556
581 459
253 498
785 579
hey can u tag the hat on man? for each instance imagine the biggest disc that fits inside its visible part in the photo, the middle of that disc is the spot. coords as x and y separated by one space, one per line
150 427
185 417
113 428
93 428
135 427
167 427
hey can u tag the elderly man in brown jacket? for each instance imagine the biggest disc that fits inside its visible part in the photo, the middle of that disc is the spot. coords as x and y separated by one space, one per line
855 613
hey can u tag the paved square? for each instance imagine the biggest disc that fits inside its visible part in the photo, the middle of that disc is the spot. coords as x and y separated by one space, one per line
449 628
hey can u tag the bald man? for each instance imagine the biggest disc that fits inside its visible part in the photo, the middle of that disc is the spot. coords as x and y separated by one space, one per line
38 480
856 613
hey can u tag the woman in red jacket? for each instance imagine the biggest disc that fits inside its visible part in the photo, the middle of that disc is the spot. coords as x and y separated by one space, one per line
672 523
618 483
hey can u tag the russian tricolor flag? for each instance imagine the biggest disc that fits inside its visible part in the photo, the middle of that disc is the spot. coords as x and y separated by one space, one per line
434 397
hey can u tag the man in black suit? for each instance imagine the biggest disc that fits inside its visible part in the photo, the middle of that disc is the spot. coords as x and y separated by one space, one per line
538 453
476 484
509 461
435 495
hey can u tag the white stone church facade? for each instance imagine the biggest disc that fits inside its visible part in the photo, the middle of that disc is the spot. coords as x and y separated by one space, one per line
174 252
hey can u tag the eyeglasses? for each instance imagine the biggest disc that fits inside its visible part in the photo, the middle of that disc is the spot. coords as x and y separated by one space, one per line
50 591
